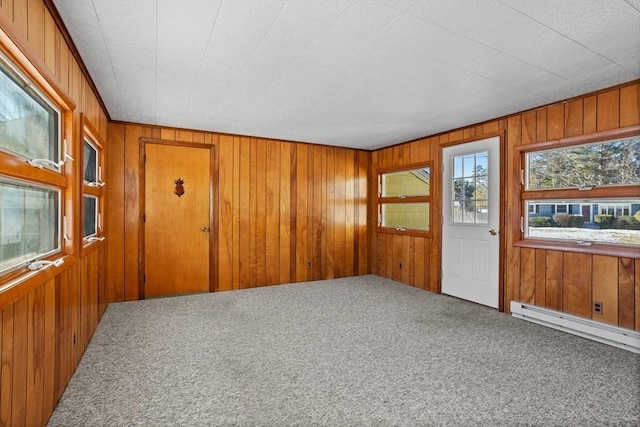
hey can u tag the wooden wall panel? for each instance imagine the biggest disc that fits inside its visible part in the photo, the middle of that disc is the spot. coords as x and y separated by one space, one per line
561 280
605 288
39 331
308 204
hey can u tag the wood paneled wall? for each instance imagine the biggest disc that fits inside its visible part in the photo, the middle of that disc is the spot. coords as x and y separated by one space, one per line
561 280
407 259
286 212
44 331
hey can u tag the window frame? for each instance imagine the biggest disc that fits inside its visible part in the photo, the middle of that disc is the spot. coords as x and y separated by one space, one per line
92 189
381 200
15 166
605 193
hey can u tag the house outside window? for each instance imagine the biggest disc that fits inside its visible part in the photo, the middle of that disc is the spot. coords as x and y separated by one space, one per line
585 176
404 200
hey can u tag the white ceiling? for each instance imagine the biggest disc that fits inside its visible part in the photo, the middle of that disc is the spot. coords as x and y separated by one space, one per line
354 73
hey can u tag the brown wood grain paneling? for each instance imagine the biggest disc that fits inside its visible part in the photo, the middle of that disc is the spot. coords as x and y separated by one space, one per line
527 275
253 216
573 118
272 209
529 127
554 280
131 211
577 284
608 110
541 280
35 356
115 213
235 215
50 43
303 199
627 275
625 297
605 288
630 105
541 124
589 114
49 390
284 213
350 204
261 217
6 380
555 121
339 217
225 214
19 368
363 221
244 213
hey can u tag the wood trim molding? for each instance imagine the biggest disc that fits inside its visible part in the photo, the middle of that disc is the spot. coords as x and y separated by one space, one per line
581 139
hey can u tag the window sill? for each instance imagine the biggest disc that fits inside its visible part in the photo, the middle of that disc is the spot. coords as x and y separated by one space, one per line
414 233
595 249
14 289
88 247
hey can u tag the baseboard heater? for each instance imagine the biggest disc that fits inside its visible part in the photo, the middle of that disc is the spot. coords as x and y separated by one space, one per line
613 335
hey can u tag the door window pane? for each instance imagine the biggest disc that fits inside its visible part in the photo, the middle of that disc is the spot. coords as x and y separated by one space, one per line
29 223
470 203
29 125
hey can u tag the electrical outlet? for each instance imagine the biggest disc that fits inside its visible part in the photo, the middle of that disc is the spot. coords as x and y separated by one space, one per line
400 266
309 264
597 307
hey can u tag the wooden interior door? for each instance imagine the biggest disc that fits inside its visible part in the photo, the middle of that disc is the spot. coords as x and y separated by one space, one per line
177 236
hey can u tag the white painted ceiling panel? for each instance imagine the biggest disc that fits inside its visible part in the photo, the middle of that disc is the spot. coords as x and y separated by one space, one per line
355 73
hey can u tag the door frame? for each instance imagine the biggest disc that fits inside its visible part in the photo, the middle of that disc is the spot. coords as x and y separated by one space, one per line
213 209
503 214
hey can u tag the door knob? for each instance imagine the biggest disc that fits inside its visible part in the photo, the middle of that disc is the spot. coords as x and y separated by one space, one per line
205 229
493 232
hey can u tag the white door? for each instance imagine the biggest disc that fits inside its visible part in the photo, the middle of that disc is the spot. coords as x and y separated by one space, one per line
471 218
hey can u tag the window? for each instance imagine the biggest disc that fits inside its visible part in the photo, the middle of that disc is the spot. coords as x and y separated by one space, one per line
470 203
404 199
584 193
29 122
93 197
29 222
33 178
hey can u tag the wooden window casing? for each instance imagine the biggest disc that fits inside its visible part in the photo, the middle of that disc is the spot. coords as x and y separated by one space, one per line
16 168
575 194
417 200
93 189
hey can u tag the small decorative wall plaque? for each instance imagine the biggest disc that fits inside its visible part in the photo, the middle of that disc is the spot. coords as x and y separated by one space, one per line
179 190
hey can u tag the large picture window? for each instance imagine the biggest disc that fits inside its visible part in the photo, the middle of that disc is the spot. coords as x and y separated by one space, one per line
587 194
33 177
404 199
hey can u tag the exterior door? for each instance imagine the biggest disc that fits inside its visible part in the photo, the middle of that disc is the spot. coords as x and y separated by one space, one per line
177 209
471 218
